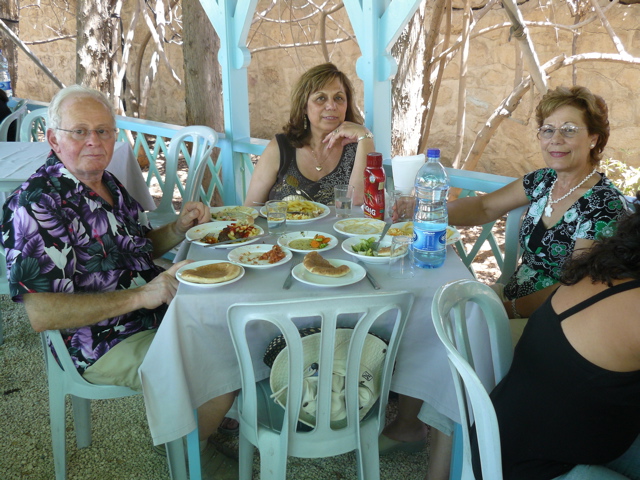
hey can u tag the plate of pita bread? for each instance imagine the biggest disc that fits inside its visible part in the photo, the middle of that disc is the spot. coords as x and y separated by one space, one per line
321 272
232 213
359 226
209 273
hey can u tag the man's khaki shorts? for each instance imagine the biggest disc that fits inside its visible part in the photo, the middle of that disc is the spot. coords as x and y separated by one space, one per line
119 366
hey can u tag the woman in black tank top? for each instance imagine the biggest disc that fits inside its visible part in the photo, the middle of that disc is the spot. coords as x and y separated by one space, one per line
569 407
324 144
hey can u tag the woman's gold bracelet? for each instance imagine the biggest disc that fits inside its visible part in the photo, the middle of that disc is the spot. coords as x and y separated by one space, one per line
513 307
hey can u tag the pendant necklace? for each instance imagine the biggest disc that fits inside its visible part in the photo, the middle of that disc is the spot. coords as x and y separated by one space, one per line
548 210
318 165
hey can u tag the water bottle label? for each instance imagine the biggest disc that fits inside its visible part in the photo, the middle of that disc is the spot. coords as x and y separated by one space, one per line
429 240
6 86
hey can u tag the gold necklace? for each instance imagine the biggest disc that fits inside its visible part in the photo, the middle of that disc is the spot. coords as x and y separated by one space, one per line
318 165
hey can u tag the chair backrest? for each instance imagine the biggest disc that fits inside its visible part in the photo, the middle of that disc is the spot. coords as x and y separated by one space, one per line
203 140
33 124
15 118
512 250
448 312
383 314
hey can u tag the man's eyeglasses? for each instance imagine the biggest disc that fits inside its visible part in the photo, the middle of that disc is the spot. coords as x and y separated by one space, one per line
567 131
83 133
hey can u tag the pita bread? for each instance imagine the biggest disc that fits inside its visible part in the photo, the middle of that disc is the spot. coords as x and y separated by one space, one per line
315 263
212 273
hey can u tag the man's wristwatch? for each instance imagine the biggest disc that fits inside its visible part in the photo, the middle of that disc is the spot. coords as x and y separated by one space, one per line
513 307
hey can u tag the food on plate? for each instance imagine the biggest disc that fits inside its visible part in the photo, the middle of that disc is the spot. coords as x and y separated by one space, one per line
407 229
212 273
317 242
361 226
256 258
364 247
232 214
235 231
303 210
316 263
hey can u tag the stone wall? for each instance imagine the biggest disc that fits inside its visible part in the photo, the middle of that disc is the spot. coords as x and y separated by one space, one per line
491 77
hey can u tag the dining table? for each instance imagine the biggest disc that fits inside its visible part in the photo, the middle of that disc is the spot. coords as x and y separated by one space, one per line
19 160
192 358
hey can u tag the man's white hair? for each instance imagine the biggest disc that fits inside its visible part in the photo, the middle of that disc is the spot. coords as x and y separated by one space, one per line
75 91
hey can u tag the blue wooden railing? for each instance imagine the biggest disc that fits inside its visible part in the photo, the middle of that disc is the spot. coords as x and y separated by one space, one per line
150 140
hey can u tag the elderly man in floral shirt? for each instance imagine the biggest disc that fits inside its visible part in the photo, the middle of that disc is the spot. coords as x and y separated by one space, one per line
80 250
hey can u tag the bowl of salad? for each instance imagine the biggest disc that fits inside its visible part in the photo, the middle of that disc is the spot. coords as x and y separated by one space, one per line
360 247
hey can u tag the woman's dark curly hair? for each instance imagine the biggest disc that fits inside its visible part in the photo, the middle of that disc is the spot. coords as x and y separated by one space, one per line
612 258
311 81
595 113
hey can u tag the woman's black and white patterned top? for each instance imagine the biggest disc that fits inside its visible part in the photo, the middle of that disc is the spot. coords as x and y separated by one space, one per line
545 250
290 179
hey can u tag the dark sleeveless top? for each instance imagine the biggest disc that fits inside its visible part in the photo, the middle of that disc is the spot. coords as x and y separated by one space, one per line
290 179
556 409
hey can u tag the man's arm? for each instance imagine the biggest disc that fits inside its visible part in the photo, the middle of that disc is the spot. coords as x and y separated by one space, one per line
168 236
54 311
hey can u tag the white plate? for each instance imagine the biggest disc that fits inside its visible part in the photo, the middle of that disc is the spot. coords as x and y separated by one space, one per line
349 242
284 240
453 235
231 210
303 275
194 234
243 256
325 212
205 285
359 226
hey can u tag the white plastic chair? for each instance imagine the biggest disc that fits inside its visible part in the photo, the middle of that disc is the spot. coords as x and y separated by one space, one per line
271 428
32 123
64 379
449 319
512 249
203 141
15 117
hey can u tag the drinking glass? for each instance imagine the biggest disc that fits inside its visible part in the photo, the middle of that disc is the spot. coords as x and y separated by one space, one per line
401 257
403 205
343 195
276 211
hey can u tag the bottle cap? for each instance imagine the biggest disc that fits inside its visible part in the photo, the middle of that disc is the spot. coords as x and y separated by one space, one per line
374 160
433 152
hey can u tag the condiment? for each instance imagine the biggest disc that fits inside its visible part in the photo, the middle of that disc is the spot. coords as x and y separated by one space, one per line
374 181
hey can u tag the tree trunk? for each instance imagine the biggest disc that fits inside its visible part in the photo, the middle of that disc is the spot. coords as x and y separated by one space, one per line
9 14
202 73
93 61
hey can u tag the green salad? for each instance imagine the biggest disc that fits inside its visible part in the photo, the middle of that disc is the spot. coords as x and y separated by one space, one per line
363 247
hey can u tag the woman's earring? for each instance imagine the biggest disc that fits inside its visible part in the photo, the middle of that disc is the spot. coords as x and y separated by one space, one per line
593 145
307 125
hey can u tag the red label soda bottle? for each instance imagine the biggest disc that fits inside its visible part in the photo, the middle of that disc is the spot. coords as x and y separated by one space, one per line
374 181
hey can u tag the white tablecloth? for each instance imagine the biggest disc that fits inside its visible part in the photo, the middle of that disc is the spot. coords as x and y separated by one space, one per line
192 358
19 160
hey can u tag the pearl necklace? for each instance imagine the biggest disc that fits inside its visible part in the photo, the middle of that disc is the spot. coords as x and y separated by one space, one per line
548 210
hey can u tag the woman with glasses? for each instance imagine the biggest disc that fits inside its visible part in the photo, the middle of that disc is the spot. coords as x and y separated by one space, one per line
570 206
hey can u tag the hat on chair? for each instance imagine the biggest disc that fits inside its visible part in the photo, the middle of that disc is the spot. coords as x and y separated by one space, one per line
371 362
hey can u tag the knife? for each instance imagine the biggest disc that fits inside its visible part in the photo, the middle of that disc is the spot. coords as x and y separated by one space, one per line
237 240
287 281
372 280
376 245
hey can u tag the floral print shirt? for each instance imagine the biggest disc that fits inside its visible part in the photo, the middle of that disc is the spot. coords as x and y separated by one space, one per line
60 236
290 179
545 250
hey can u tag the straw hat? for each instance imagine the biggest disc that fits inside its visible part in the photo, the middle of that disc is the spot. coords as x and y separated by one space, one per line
373 354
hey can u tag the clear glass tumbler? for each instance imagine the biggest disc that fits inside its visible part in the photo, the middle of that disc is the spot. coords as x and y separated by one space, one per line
276 211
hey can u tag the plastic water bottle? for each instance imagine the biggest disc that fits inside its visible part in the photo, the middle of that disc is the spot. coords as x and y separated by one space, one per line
5 79
430 217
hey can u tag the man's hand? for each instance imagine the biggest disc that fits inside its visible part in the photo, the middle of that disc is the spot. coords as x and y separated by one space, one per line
192 214
163 288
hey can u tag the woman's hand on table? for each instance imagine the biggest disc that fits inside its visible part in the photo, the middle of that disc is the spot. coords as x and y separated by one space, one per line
347 132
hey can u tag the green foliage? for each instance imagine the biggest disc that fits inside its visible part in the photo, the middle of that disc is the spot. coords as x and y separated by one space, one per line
625 177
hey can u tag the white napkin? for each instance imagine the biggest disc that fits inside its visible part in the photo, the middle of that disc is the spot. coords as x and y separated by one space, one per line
404 171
